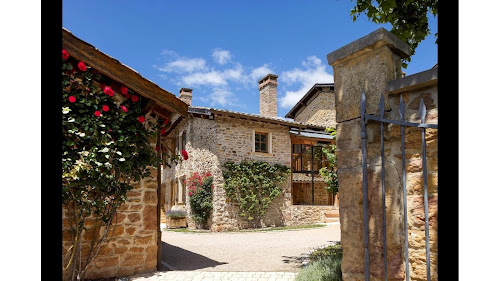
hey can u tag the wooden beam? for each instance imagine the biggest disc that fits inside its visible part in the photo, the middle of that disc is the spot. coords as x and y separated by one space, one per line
115 70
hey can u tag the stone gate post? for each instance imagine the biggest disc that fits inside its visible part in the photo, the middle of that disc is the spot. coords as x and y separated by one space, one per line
366 64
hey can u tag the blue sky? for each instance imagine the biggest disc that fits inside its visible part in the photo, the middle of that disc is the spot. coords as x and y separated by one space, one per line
221 49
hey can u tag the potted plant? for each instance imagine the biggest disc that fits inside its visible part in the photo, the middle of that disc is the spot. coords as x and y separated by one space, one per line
176 218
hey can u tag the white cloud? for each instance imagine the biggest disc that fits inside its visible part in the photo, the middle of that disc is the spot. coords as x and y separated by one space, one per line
169 53
221 56
202 78
214 77
313 72
183 65
259 72
223 97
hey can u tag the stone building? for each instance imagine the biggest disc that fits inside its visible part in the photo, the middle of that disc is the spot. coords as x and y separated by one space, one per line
214 136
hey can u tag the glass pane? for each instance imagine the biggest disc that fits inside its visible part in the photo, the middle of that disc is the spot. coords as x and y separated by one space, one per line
257 137
263 147
263 138
257 147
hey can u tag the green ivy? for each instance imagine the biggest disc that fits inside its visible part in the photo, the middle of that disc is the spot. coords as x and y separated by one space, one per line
252 186
329 174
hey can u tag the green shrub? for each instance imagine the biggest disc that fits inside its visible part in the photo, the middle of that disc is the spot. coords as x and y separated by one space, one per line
177 214
253 186
325 265
200 197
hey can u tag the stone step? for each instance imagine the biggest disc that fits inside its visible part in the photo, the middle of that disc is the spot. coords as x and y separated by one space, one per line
332 214
326 220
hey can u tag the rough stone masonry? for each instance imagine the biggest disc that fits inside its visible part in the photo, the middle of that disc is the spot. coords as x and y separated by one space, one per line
369 64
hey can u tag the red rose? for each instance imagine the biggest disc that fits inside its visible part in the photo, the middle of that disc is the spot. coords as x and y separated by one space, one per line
162 131
65 55
135 98
97 113
124 90
185 154
124 108
72 99
105 108
141 119
165 122
108 91
190 193
156 148
82 66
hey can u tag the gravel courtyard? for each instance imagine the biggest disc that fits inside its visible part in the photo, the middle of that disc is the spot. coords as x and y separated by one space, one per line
269 251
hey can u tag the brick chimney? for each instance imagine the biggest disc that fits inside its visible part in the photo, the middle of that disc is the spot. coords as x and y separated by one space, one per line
186 95
268 103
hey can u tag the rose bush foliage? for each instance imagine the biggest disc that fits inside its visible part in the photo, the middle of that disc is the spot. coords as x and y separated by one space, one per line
200 187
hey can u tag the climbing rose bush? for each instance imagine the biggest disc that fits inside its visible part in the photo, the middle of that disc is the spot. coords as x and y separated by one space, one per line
200 187
105 146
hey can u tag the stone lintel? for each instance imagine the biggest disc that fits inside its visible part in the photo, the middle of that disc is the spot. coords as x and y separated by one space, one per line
380 35
415 81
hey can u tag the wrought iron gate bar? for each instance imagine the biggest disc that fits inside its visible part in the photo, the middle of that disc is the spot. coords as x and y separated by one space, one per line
400 122
422 111
403 161
364 120
381 108
365 188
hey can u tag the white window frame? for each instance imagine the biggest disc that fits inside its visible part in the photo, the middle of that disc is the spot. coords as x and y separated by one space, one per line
269 142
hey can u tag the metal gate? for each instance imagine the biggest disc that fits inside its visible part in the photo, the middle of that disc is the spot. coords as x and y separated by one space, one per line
364 119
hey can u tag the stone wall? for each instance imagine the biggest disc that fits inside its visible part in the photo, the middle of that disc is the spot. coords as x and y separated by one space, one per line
414 179
132 246
320 110
307 214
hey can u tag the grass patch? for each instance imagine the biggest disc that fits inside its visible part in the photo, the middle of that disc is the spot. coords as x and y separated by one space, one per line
325 265
296 227
186 230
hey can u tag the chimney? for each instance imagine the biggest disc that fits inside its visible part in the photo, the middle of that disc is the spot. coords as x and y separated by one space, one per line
268 103
186 95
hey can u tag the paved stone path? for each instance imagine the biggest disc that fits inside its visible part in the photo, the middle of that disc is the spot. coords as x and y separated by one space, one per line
267 251
238 256
216 276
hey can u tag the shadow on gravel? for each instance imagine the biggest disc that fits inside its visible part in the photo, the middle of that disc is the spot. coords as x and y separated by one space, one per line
182 259
292 260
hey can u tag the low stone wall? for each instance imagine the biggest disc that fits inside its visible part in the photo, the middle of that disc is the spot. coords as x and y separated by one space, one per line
132 246
307 214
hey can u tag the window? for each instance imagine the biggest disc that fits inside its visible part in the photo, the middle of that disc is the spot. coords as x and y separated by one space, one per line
261 142
183 145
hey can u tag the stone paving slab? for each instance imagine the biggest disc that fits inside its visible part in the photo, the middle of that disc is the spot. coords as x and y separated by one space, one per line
215 276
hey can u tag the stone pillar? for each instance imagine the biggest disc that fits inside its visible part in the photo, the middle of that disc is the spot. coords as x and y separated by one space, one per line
268 100
366 64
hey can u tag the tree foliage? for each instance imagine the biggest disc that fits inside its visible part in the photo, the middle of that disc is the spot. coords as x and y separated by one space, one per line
253 186
408 18
329 174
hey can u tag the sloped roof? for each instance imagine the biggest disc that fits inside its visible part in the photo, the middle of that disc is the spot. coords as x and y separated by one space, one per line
121 73
278 120
303 101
